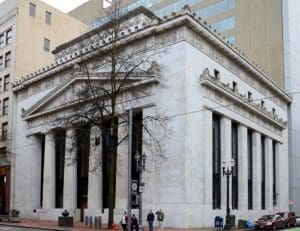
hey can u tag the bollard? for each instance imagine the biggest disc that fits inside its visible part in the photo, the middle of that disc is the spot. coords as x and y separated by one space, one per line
97 221
86 221
90 222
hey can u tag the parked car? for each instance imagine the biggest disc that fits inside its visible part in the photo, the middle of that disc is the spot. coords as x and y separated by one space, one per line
297 220
269 222
289 218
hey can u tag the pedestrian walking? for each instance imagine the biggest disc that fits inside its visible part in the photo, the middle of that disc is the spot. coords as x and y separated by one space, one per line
134 223
150 219
160 219
124 221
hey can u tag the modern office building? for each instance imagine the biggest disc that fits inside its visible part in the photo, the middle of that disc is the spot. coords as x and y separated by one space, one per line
219 104
29 30
264 30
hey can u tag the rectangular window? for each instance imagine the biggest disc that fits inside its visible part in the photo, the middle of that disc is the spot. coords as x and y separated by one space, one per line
48 17
5 106
6 83
4 131
32 9
9 36
1 40
1 62
8 59
216 168
250 171
46 45
274 174
234 141
263 173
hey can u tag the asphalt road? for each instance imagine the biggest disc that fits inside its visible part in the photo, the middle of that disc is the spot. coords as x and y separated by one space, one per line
9 228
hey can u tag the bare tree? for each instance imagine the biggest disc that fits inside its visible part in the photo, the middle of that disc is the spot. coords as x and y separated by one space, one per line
120 78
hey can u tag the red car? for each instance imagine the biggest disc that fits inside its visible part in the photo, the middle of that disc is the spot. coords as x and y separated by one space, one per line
289 218
269 222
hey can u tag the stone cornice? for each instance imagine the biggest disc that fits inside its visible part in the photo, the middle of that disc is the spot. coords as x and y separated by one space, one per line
214 83
8 16
157 27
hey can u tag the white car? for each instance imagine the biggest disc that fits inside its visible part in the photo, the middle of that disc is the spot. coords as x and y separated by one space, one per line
297 220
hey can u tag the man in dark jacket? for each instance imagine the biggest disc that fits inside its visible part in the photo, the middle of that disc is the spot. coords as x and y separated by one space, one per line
134 223
150 219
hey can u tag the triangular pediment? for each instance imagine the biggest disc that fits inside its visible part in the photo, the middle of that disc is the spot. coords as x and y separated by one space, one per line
65 95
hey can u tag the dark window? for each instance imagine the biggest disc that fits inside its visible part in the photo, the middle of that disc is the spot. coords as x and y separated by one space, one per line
216 168
8 36
273 111
234 86
262 103
1 40
46 45
1 62
8 59
137 137
263 173
234 140
274 174
250 171
4 131
48 16
5 106
217 74
0 84
32 9
6 83
249 96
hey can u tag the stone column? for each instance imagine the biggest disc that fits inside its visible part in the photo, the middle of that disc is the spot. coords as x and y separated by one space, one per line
95 170
207 156
225 155
36 177
70 170
242 168
256 152
49 172
269 173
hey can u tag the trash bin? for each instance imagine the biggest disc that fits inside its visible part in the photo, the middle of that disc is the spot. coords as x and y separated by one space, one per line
218 223
97 221
242 224
90 222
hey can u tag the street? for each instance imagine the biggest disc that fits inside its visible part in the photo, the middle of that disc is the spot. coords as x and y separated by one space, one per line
11 228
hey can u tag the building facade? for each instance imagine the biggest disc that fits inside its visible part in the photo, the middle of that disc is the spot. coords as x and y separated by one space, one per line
264 30
29 30
219 107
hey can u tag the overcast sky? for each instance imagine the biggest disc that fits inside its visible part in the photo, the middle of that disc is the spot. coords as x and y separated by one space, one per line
63 5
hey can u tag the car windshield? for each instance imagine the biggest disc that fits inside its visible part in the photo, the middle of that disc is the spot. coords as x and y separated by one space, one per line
266 217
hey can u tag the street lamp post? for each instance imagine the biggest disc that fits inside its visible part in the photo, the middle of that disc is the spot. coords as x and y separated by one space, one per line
227 170
140 167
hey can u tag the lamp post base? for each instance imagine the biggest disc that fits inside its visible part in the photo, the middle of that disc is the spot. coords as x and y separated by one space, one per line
229 222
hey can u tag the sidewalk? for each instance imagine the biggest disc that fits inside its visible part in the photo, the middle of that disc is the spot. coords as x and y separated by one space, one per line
78 226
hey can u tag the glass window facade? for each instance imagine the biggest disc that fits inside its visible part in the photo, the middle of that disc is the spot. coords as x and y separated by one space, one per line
215 9
223 25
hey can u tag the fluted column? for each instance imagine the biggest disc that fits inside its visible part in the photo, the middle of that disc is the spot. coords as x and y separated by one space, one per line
225 155
242 168
256 151
49 172
36 171
70 170
269 173
95 170
208 157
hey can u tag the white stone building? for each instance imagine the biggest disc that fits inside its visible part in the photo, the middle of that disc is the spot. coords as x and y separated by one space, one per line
219 104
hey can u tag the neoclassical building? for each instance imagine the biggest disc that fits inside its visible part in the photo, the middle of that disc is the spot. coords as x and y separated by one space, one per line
219 105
